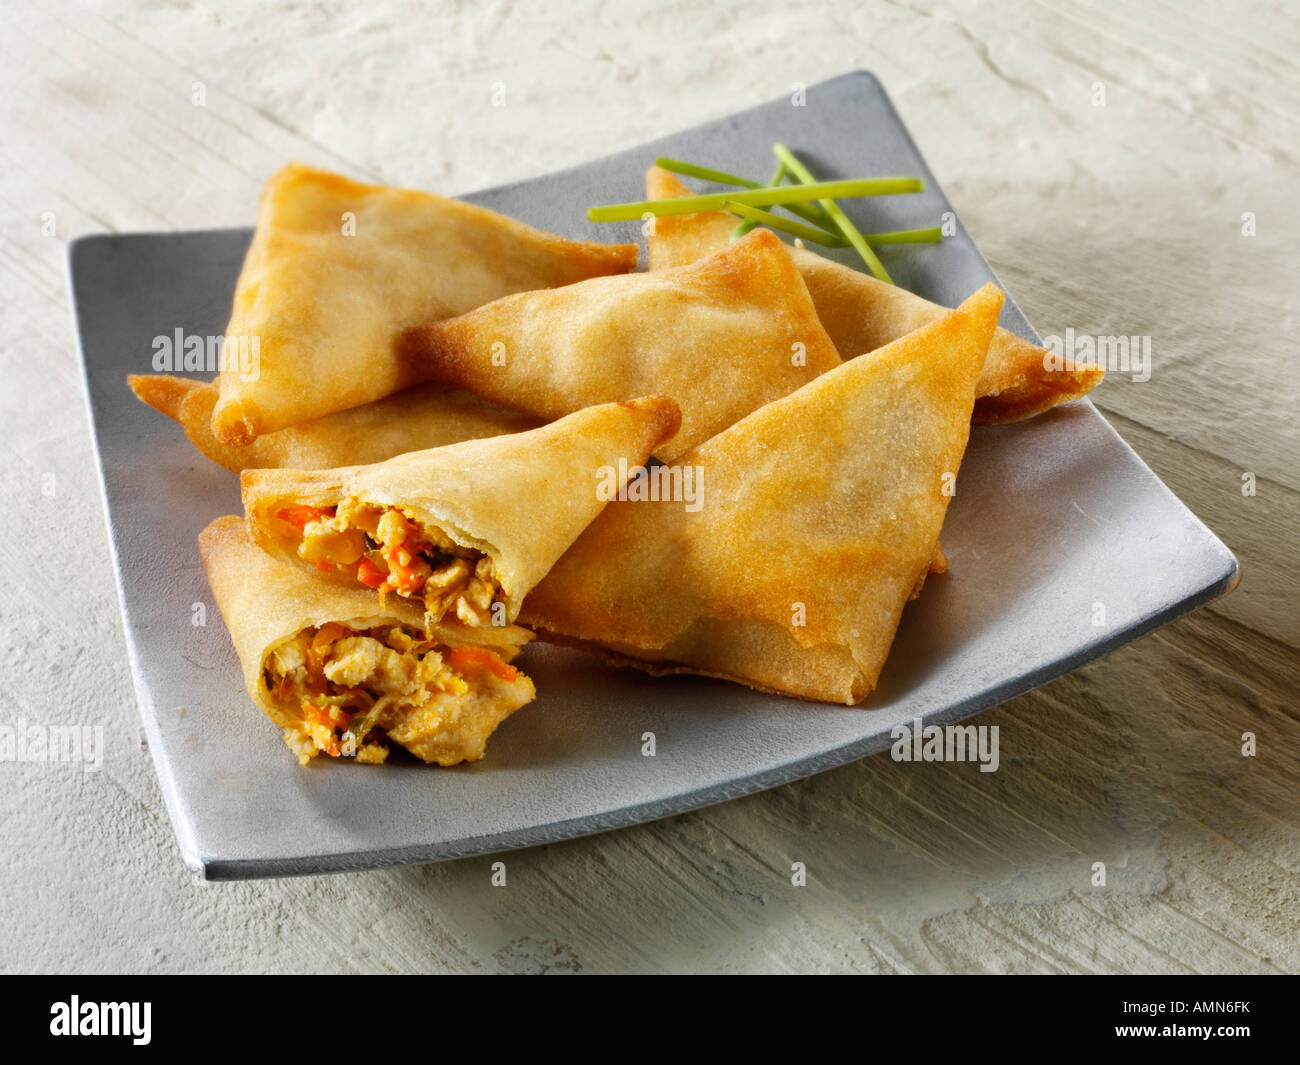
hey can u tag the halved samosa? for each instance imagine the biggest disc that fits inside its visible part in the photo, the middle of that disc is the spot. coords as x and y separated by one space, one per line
469 528
343 676
820 516
338 269
414 419
862 314
721 336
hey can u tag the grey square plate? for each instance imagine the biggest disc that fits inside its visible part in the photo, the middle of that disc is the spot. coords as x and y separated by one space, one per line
1054 515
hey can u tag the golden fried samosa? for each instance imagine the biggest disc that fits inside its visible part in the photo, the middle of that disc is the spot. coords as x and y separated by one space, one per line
862 314
679 239
414 419
338 269
467 529
721 336
819 517
343 675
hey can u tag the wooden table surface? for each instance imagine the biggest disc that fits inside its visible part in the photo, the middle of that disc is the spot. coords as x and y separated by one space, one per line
1108 157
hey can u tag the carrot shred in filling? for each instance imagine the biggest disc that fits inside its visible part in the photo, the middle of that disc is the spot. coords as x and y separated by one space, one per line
343 690
369 574
387 550
404 576
329 719
463 657
301 517
321 643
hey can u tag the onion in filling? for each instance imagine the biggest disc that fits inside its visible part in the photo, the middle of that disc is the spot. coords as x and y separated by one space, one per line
384 548
347 693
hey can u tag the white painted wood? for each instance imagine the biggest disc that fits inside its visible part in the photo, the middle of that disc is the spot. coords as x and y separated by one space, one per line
1122 218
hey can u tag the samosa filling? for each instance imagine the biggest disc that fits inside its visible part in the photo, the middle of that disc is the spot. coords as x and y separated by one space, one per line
384 548
347 692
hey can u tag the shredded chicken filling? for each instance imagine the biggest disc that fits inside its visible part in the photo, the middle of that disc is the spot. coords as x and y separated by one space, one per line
384 548
345 689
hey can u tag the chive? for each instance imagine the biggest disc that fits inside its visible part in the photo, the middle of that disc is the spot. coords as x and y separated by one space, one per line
847 227
749 222
931 235
812 212
704 173
755 216
786 194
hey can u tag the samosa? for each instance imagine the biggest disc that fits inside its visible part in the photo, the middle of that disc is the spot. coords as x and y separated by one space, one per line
862 313
722 336
414 419
466 529
337 269
343 675
819 518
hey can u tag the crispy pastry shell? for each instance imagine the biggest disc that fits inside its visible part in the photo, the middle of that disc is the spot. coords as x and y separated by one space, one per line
722 336
337 269
820 516
414 419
